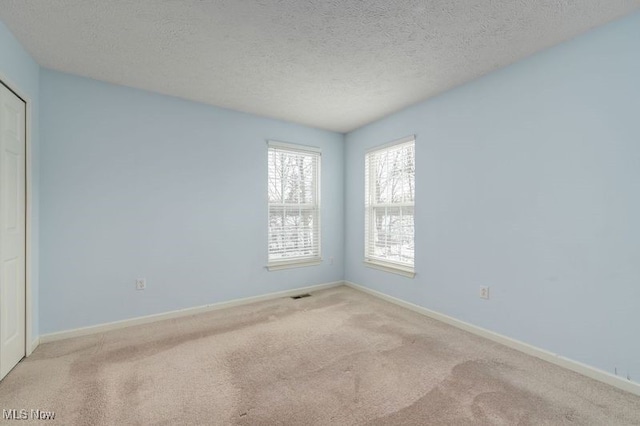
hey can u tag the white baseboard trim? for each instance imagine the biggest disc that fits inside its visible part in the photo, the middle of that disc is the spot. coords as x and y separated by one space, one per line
101 328
578 367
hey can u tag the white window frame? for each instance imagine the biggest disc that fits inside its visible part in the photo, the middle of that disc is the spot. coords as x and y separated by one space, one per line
300 261
370 259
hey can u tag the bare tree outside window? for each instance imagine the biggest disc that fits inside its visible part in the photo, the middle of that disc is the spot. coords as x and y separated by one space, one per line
294 209
389 204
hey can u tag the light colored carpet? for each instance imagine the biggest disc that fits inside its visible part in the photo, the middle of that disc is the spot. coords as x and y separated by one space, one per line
339 357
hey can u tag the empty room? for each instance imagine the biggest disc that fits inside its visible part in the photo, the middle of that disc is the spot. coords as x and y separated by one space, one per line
255 212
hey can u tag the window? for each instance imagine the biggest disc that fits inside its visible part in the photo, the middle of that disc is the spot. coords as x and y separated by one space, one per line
389 207
294 205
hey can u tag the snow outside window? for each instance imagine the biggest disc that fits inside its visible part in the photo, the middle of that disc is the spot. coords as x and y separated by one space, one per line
294 205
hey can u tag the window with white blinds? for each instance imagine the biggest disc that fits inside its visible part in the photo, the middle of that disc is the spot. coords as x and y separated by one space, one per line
389 207
294 205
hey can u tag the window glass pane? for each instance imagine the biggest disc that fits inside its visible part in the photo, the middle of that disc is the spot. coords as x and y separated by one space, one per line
389 204
276 225
276 180
294 209
382 187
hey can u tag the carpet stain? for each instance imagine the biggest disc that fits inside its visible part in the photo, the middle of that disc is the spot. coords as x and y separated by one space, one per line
380 324
356 388
153 347
476 393
129 394
92 410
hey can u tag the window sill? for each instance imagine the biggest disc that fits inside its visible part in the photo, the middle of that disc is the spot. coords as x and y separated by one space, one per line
277 266
389 267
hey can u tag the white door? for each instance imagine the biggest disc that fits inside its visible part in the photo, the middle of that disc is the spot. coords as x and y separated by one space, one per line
12 230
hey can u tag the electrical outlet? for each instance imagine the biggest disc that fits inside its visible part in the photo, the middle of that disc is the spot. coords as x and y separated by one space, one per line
331 260
484 292
141 284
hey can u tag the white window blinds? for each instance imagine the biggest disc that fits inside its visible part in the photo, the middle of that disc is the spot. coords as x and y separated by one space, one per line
294 204
389 205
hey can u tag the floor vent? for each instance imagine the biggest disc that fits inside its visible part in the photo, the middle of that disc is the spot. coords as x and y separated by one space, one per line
300 296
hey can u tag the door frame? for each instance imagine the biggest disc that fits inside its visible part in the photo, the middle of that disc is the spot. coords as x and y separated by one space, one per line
30 342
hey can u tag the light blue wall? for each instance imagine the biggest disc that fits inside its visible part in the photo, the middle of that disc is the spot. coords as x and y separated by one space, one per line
528 181
136 184
21 72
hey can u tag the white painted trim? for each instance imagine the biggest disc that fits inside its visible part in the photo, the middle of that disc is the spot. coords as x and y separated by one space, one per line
34 344
29 213
278 266
28 234
391 268
294 147
406 139
101 328
559 360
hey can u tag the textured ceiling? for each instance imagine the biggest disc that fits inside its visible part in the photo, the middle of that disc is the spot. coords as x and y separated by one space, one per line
332 64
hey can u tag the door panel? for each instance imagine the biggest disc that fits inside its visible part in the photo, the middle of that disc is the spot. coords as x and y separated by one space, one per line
12 230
